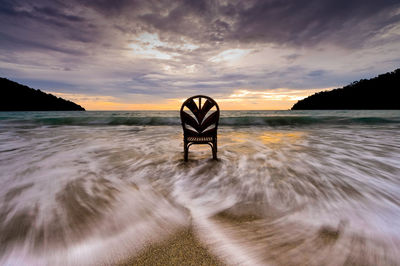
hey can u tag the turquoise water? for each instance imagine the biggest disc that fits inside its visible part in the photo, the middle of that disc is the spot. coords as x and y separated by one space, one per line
289 188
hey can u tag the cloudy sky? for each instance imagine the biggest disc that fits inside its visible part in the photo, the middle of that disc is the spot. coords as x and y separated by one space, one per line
248 54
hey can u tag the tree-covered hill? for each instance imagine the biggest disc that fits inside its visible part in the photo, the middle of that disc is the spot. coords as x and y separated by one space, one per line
381 92
17 97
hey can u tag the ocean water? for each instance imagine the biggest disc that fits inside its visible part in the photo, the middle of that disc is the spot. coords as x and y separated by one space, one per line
289 188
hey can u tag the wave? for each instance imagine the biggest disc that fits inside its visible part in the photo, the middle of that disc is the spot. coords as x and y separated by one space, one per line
227 121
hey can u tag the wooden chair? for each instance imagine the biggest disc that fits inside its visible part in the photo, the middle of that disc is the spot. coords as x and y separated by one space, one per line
199 123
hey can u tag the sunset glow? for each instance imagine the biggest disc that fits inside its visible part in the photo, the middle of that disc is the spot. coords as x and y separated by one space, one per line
280 99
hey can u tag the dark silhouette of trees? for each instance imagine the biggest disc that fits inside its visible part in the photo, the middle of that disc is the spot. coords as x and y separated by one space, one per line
381 92
17 97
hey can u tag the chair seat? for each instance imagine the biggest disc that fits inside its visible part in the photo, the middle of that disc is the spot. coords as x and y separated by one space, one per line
199 139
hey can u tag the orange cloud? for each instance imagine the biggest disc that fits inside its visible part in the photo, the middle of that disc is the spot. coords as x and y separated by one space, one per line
243 99
277 99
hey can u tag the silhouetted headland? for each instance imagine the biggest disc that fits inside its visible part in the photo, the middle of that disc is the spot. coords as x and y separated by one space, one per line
379 93
17 97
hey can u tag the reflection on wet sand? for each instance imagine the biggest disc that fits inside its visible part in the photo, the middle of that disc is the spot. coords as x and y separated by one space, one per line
281 137
269 137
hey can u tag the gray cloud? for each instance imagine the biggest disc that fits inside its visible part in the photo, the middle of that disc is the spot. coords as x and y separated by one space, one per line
208 23
88 42
44 25
306 22
301 22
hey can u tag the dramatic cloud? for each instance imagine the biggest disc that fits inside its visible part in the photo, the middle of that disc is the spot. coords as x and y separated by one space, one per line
131 52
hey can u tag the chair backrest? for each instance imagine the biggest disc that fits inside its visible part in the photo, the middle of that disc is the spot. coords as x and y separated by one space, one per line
197 119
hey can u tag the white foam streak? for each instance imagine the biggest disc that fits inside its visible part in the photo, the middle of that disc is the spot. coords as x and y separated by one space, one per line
88 195
227 249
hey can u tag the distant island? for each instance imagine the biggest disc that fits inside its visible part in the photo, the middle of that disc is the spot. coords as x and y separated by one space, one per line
17 97
378 93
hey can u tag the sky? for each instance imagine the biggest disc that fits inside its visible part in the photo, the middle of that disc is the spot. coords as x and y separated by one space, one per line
140 55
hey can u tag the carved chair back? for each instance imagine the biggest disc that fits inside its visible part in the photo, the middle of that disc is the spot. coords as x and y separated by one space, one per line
200 117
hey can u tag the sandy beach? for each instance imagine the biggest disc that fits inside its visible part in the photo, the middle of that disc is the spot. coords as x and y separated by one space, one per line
180 249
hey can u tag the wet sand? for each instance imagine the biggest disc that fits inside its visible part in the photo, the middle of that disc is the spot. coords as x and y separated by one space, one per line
298 195
284 242
181 249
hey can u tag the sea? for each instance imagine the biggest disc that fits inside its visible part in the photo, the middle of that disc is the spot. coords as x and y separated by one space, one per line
288 188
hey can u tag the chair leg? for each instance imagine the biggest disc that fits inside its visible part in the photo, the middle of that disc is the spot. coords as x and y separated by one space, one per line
214 151
186 151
